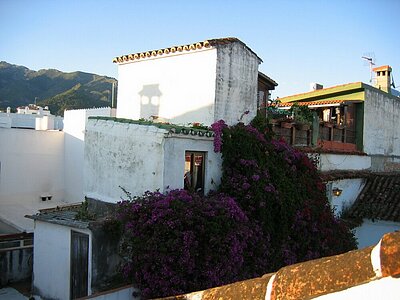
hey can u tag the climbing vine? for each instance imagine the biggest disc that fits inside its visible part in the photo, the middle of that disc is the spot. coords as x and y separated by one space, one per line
280 189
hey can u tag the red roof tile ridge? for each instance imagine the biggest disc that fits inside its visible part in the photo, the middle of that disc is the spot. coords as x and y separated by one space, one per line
334 101
385 67
180 49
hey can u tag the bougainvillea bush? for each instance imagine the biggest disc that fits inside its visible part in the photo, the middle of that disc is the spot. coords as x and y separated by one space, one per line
180 242
280 190
271 210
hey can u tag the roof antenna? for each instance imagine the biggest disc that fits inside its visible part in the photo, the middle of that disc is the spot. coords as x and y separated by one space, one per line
369 60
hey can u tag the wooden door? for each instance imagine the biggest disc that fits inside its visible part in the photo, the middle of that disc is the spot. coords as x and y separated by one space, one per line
79 264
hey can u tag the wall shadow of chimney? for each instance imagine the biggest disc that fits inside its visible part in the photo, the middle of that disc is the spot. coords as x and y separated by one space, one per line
150 99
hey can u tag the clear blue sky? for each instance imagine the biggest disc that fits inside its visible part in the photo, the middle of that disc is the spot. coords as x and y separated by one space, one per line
299 41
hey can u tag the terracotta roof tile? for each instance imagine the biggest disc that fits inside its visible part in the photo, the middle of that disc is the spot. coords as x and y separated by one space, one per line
338 175
390 255
379 199
323 276
180 49
318 102
315 278
248 289
382 68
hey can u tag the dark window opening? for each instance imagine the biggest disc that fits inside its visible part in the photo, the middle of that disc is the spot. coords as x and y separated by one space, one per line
194 171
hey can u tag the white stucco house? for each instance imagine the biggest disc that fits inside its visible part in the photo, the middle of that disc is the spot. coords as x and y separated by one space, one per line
196 83
356 134
356 119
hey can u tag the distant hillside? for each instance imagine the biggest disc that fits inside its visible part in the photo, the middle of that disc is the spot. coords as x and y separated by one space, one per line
19 86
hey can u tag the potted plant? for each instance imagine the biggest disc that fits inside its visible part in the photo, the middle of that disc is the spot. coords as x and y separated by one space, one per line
302 115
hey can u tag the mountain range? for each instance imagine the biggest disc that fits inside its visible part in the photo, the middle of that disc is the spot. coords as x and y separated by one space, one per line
20 86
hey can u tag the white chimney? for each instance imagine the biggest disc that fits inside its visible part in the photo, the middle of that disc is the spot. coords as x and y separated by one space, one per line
315 86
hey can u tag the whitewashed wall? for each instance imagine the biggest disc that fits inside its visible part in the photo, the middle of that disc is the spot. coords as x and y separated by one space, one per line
381 123
74 129
178 87
122 154
331 162
5 120
370 232
237 82
32 163
351 188
381 130
174 161
141 158
51 268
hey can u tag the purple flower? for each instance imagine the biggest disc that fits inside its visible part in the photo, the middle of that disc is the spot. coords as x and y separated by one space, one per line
246 186
218 127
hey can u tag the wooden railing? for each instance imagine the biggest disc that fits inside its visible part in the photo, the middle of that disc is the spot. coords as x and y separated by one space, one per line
327 136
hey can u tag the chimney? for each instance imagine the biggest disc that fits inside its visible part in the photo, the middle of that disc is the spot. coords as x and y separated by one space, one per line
315 86
382 78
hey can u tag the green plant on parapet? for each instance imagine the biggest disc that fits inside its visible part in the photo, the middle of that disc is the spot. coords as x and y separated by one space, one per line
301 114
83 213
197 125
273 112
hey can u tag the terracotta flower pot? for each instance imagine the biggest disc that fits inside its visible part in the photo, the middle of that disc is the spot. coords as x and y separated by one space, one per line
286 124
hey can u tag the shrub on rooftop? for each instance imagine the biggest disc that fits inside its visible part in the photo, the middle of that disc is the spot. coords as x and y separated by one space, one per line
180 242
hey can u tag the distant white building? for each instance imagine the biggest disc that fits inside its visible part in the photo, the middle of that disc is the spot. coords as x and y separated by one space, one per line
31 117
33 109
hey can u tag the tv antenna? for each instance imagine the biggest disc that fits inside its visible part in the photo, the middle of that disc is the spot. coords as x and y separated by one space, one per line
369 60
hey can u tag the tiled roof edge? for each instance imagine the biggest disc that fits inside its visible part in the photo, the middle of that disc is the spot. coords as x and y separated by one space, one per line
171 128
273 82
338 175
180 49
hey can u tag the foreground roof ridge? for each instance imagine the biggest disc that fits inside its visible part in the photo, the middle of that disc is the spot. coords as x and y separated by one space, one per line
315 278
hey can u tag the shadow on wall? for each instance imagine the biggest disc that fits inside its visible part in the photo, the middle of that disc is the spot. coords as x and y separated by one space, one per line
150 97
196 115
